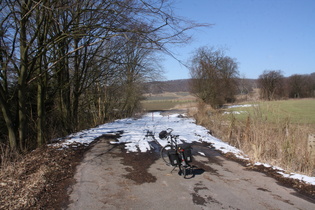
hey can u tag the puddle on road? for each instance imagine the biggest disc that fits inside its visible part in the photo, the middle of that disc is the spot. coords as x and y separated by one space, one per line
137 165
198 199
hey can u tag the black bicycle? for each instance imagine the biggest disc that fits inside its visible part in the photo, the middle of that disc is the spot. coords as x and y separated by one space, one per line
175 154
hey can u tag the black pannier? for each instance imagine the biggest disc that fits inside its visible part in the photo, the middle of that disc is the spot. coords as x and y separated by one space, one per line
187 153
174 158
163 135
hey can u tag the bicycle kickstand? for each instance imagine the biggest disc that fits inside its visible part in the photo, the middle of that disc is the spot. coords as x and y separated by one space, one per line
173 169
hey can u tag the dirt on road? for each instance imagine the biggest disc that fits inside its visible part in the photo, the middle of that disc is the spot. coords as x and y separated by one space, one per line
110 178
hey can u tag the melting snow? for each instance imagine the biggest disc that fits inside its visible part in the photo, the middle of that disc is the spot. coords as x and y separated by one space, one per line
306 179
235 112
244 105
133 135
201 153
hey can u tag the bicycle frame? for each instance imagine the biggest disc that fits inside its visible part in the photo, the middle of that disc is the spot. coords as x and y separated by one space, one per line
175 153
172 140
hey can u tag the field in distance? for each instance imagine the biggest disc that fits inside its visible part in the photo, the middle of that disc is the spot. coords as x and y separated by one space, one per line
294 110
168 100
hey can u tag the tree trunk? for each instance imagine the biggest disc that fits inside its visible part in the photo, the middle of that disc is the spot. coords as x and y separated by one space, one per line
76 94
23 73
40 114
5 108
41 94
42 25
9 122
64 93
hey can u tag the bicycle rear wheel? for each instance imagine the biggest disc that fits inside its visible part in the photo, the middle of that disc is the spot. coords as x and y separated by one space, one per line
182 170
187 171
164 154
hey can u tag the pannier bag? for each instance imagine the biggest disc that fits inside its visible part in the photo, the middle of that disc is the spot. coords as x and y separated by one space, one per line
174 158
163 135
187 153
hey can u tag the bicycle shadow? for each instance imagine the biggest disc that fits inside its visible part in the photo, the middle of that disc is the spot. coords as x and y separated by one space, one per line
198 171
193 171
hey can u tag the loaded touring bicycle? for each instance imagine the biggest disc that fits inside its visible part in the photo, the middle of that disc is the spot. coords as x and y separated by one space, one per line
175 154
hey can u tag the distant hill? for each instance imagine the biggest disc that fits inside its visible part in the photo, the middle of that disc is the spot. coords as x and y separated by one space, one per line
245 86
181 85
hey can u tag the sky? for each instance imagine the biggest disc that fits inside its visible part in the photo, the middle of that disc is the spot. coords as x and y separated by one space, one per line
259 34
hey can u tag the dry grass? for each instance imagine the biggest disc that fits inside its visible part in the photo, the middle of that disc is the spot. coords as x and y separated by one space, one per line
279 142
39 179
8 156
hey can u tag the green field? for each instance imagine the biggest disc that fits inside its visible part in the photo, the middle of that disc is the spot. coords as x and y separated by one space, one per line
166 101
296 111
163 105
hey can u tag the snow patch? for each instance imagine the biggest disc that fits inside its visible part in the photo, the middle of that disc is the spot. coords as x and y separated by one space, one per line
240 106
133 132
201 153
306 179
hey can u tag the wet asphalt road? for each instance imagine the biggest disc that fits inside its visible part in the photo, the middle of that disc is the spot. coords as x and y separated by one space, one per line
108 178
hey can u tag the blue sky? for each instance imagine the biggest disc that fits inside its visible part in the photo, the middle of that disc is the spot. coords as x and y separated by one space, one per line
259 34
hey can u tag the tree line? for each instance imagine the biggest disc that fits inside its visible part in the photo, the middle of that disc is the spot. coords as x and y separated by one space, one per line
273 85
216 81
67 65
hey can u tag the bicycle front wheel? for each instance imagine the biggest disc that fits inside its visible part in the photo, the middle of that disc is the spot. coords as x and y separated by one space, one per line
164 154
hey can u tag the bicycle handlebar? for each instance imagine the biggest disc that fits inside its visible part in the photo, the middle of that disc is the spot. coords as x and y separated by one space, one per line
169 130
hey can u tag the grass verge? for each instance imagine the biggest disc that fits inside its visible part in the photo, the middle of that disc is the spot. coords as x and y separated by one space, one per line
40 179
275 132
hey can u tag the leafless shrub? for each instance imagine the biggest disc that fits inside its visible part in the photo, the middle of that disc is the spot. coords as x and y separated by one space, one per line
271 85
7 156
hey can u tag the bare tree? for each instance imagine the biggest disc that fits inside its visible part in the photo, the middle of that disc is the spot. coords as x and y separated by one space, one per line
300 86
271 84
5 97
55 49
213 76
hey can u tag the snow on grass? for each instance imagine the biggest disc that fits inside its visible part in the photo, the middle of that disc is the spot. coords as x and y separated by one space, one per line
243 105
133 136
238 106
235 112
306 179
